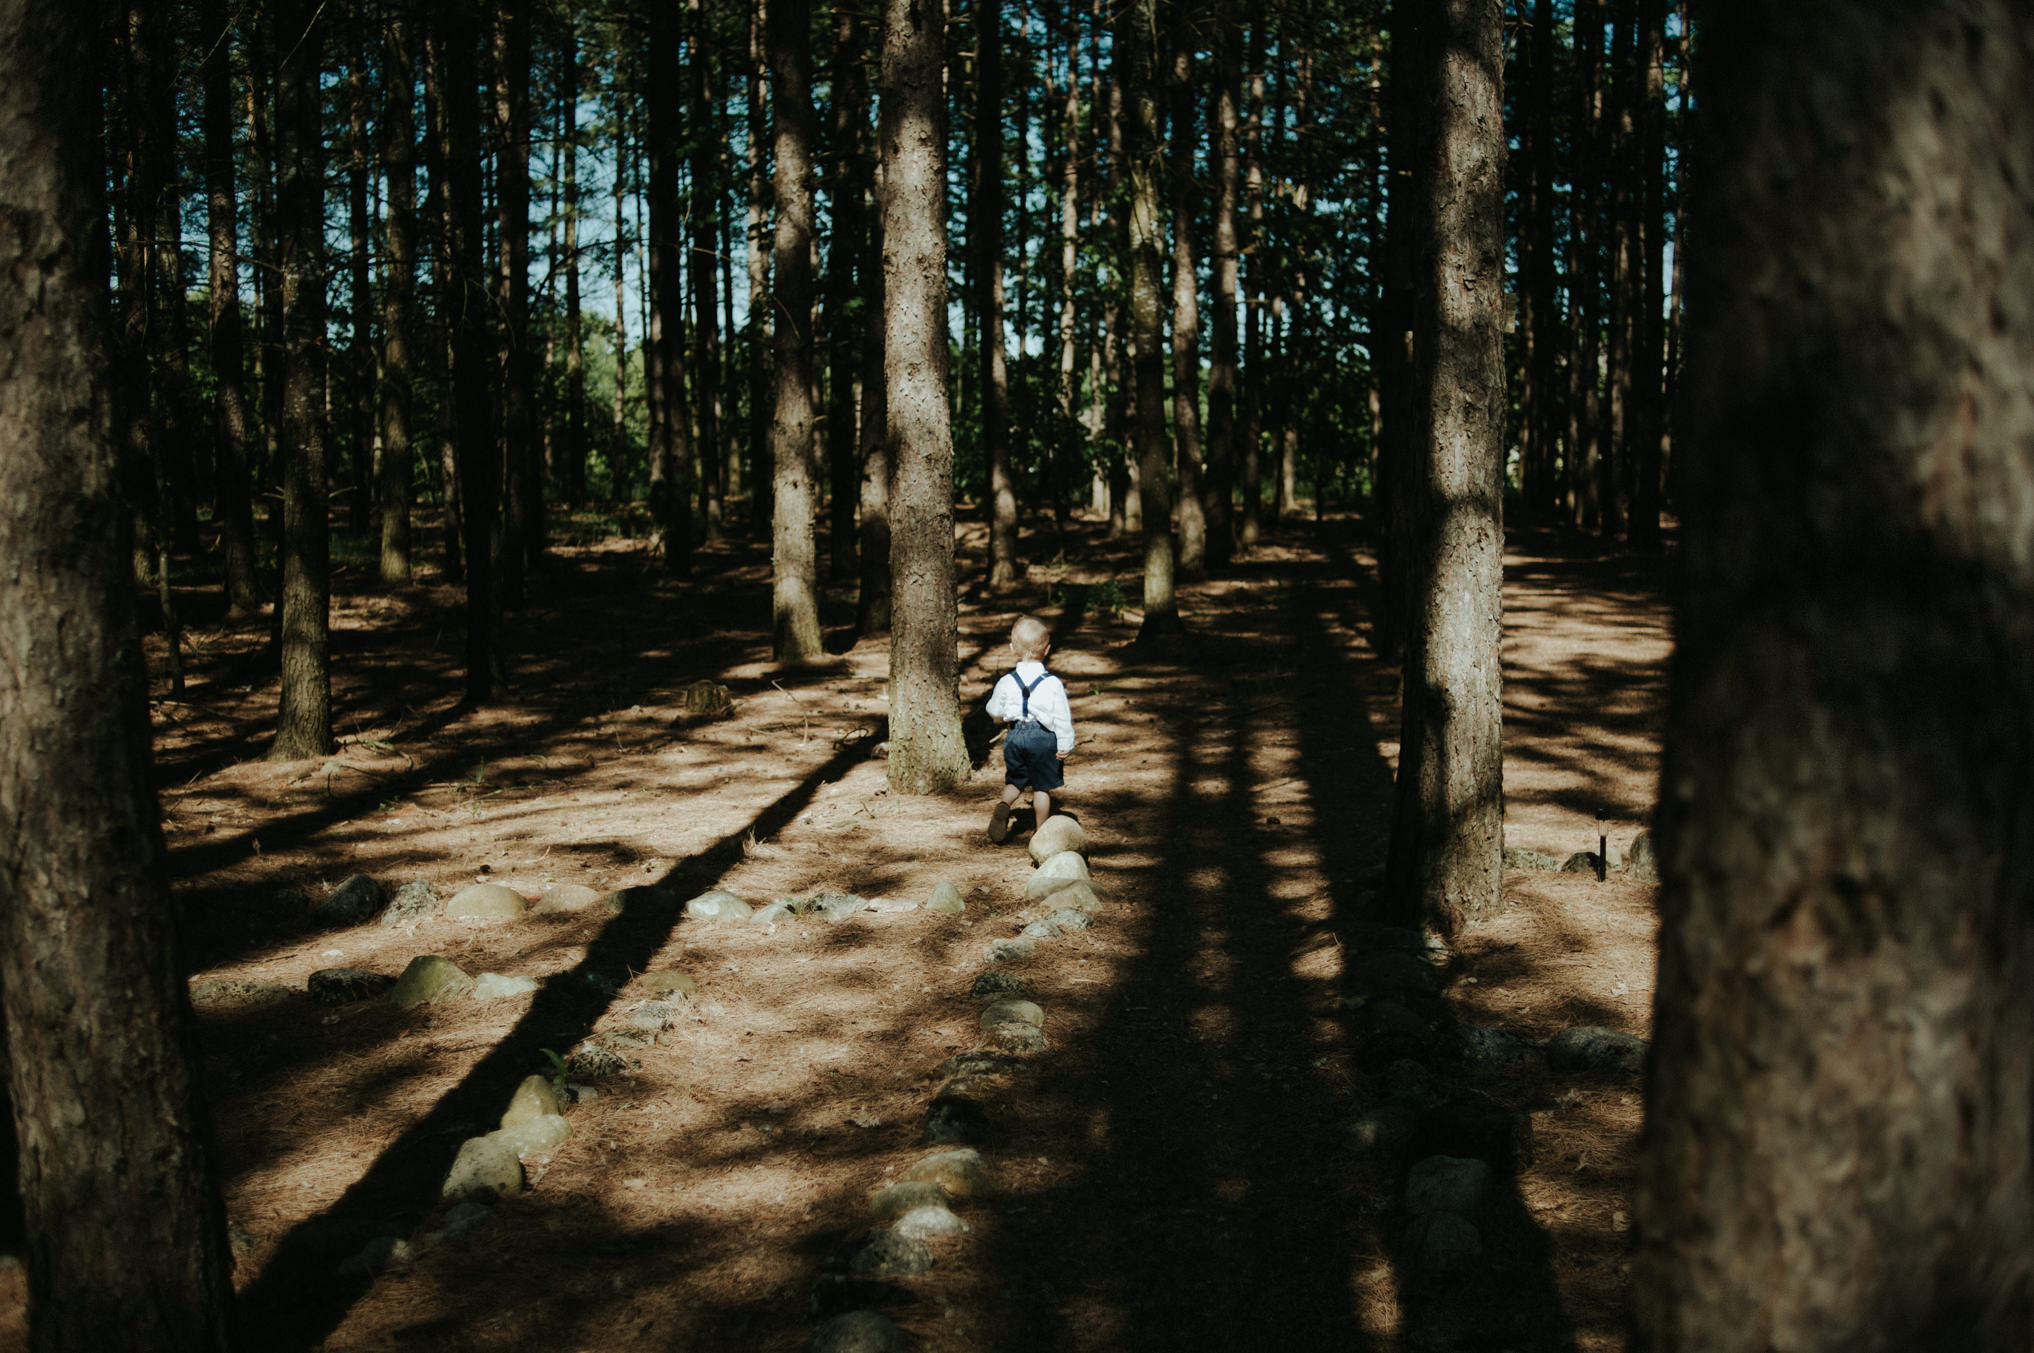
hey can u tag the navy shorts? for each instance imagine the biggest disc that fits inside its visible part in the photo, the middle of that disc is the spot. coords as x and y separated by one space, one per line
1031 757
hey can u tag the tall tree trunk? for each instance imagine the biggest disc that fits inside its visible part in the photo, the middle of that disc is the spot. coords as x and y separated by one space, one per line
761 322
795 546
479 470
847 312
1649 334
444 331
618 446
231 469
522 496
359 376
706 145
1065 441
1614 466
1136 60
1585 430
1543 322
304 719
1186 311
1226 151
670 438
1838 1128
571 469
1256 356
1398 456
398 290
1447 833
985 229
873 606
127 1235
927 752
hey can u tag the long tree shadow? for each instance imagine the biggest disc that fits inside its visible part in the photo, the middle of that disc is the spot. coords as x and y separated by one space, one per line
296 1302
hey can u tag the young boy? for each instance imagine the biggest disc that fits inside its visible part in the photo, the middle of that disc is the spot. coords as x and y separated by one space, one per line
1034 701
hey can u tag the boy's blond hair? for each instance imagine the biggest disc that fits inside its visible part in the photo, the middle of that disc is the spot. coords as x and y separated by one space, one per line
1029 639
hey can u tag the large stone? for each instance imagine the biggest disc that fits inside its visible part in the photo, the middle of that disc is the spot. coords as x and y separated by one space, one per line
889 1255
1494 1049
1056 873
568 897
1018 1037
991 985
1078 895
1442 1242
430 978
486 901
669 983
1477 1125
535 1136
718 905
1597 1051
344 986
493 986
894 1200
1067 917
946 899
1009 951
351 903
962 1173
382 1252
1582 862
486 1167
1446 1184
1538 860
859 1332
416 900
1013 1012
457 1221
1056 834
534 1098
240 991
1641 864
835 906
929 1223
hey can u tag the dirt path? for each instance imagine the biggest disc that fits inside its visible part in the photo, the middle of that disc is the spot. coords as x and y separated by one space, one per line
1175 1172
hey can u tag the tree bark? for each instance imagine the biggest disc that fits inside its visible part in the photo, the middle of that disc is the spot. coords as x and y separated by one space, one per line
1136 59
706 145
230 462
398 291
664 376
479 455
1649 333
927 752
1186 312
127 1238
359 381
1838 1136
1225 151
1447 836
304 718
847 271
794 541
523 496
1585 287
985 227
571 468
761 322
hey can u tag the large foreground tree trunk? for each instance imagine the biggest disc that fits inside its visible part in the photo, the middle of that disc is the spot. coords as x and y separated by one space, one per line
1838 1142
127 1240
927 752
1447 831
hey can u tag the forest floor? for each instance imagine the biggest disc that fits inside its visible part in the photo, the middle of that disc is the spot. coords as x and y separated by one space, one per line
1176 1171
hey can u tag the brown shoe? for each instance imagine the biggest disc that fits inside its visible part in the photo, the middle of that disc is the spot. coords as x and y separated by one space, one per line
999 823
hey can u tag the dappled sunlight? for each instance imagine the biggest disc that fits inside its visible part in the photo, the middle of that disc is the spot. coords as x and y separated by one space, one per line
1174 1170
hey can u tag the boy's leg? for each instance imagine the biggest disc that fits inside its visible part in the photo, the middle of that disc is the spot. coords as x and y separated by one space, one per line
999 816
1041 807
